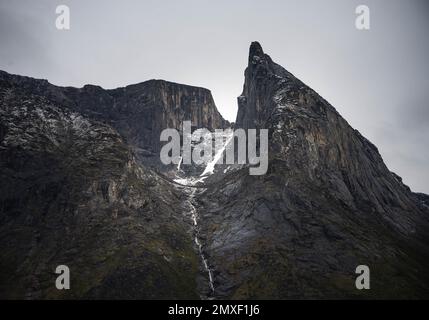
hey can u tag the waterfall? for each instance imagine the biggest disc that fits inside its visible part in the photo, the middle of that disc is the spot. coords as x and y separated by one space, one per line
180 162
194 216
188 182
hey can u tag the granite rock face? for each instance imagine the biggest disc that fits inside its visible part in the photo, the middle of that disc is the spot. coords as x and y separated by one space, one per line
138 112
72 193
79 188
327 204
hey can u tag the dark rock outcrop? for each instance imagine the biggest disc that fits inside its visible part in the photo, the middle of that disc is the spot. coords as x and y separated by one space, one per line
72 193
138 112
326 205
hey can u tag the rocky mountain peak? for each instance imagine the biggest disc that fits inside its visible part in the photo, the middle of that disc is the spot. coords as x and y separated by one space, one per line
312 139
255 50
327 203
264 73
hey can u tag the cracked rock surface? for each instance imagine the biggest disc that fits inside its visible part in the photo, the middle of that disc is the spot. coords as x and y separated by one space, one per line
327 204
82 185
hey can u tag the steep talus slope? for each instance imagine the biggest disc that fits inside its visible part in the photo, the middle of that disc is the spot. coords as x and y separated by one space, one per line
327 204
72 193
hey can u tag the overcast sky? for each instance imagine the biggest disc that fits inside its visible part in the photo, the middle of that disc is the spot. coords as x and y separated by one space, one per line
377 79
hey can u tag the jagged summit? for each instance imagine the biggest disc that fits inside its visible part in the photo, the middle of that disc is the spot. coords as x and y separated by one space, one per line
260 67
327 204
274 99
255 50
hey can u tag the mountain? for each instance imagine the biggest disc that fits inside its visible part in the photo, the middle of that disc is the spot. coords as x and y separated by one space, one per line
73 193
327 204
82 185
138 112
75 190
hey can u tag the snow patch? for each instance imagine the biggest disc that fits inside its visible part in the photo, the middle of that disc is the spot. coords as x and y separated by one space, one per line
210 166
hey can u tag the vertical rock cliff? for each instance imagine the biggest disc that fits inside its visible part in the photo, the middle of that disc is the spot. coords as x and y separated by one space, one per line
74 190
327 204
138 112
73 194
